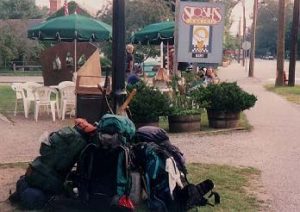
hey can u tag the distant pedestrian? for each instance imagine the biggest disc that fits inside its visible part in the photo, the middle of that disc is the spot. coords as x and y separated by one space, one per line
129 59
211 76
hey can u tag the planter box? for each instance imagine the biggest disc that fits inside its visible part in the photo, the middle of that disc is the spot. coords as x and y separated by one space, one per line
184 123
223 120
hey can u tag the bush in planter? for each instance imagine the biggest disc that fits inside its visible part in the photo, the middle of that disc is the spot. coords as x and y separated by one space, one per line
184 115
148 104
224 99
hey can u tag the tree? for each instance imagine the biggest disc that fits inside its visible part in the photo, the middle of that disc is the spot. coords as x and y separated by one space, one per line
20 9
293 44
266 30
138 13
15 45
280 44
8 45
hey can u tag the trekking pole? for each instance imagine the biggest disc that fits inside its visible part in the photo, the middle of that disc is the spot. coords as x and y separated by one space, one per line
124 106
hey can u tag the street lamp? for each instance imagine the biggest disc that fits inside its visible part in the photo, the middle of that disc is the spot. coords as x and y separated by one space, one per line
118 54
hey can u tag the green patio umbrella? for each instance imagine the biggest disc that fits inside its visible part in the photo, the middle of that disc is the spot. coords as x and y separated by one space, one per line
70 28
155 33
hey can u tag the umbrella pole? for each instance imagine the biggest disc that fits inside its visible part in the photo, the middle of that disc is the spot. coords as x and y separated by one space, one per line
168 59
75 55
161 54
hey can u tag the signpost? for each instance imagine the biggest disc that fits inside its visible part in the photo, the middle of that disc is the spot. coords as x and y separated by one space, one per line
200 32
246 45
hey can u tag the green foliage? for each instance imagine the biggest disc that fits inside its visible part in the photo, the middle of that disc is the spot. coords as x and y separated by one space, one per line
20 9
267 27
139 13
148 104
292 94
183 104
13 44
226 97
7 99
106 65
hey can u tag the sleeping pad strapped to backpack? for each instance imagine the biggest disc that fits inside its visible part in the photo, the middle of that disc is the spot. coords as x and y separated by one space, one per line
103 172
164 173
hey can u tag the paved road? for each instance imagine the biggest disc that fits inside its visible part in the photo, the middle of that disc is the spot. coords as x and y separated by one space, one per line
273 146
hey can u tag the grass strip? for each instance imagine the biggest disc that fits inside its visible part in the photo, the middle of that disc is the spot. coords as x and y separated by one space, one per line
292 94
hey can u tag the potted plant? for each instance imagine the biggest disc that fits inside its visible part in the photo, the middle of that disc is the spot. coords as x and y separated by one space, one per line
223 103
148 105
184 115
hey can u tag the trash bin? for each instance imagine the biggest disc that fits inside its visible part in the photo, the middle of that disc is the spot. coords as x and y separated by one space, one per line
90 103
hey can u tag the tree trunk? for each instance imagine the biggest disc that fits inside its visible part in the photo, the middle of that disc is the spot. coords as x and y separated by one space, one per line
294 35
253 37
280 44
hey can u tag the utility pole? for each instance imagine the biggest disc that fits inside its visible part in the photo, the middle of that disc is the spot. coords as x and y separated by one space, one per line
244 29
294 35
253 37
175 61
240 41
280 44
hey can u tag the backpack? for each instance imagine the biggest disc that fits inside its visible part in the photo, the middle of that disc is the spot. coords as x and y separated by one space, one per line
194 195
151 159
111 124
103 169
58 154
27 197
152 152
159 136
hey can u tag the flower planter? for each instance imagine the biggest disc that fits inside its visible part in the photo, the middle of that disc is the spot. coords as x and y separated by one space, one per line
223 120
184 123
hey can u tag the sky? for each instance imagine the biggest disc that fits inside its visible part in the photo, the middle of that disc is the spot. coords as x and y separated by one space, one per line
237 13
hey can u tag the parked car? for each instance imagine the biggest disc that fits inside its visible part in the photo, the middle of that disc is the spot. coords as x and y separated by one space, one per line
268 57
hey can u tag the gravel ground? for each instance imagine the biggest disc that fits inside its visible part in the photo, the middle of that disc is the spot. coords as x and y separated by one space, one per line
272 146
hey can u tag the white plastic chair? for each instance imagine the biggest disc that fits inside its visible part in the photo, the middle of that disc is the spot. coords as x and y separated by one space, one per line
18 88
66 83
28 88
68 99
42 97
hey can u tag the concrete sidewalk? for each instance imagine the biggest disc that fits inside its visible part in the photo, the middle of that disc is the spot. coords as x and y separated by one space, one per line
273 146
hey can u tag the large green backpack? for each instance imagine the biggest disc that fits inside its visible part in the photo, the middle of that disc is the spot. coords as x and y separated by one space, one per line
103 169
58 154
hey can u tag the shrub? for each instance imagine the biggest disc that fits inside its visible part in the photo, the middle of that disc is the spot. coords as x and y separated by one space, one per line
225 97
148 104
